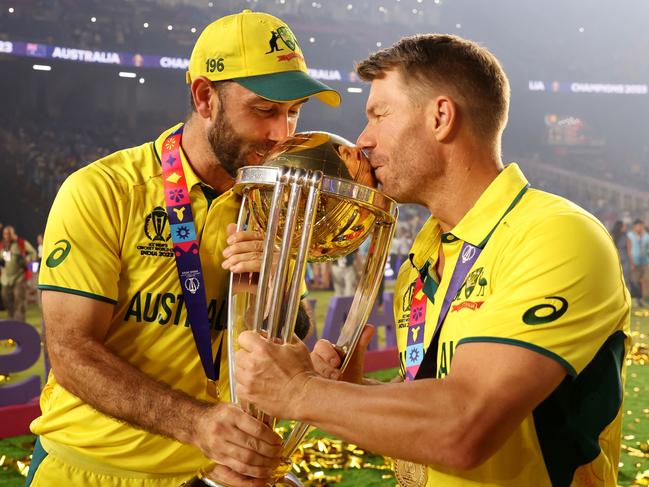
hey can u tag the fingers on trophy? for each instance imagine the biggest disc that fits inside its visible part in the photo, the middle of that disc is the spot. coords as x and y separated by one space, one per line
315 199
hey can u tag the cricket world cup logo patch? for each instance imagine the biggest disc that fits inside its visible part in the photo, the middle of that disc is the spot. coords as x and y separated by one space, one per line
155 225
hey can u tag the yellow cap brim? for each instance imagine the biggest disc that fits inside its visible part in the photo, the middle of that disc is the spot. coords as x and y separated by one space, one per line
289 86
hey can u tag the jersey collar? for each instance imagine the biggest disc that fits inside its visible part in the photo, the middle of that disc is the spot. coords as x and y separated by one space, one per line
478 224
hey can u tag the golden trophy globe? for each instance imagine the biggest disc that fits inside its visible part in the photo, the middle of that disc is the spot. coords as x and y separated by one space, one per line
315 199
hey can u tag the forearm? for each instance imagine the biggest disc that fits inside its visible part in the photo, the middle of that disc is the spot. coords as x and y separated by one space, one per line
116 388
391 418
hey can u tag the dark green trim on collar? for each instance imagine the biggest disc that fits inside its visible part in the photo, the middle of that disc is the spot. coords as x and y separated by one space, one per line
430 288
209 192
430 283
509 208
157 156
448 237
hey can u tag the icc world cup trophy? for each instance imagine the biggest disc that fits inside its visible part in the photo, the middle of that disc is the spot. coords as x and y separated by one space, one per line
315 199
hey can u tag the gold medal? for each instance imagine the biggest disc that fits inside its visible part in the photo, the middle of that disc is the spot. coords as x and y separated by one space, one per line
212 389
410 474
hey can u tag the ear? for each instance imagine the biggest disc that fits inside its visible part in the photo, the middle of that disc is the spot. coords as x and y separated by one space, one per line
444 114
202 93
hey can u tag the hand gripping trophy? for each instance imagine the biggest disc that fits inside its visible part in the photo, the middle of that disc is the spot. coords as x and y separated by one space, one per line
315 199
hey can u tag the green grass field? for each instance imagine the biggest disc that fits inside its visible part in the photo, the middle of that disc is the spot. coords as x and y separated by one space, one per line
634 460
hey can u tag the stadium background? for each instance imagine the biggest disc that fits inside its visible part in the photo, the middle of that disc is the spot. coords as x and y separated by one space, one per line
579 118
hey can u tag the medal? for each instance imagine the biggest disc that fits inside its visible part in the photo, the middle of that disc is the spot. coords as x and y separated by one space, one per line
410 474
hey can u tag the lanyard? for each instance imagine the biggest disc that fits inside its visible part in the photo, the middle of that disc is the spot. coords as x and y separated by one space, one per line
420 364
188 261
416 358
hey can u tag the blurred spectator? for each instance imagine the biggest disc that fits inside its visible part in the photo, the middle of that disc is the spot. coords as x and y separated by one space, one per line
399 249
321 272
343 275
619 234
17 254
638 253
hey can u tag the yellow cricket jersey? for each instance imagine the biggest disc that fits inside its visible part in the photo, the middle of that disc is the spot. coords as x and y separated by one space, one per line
108 238
548 279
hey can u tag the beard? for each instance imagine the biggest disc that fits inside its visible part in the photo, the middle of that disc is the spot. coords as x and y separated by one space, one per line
229 147
409 168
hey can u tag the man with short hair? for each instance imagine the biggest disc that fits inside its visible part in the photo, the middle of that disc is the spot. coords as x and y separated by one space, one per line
134 282
512 315
17 254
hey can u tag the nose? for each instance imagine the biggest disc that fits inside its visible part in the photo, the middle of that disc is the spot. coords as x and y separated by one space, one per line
364 140
279 128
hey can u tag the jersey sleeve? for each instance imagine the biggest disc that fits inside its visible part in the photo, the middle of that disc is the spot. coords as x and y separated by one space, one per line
559 291
81 246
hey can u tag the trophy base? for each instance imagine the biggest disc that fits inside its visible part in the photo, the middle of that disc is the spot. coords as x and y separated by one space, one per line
289 480
200 482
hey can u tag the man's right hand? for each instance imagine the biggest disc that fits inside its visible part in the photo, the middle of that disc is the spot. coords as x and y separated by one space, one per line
327 359
246 450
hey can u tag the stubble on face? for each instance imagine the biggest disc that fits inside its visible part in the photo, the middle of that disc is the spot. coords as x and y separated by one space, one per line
229 147
411 167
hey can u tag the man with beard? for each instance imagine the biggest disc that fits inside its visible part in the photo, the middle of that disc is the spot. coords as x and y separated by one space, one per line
133 255
512 315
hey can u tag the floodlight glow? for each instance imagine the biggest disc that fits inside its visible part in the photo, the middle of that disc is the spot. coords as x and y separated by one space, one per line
145 25
93 19
170 27
42 67
127 74
141 80
11 10
353 89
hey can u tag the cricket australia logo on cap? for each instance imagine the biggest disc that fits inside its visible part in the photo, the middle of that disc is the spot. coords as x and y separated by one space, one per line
287 36
192 284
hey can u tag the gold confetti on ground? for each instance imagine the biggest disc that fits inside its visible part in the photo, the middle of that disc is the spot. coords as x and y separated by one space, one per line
640 450
314 460
20 465
642 478
639 353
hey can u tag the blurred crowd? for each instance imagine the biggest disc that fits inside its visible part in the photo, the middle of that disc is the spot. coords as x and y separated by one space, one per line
38 157
143 26
614 166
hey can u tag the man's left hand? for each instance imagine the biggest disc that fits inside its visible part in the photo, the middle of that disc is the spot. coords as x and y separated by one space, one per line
244 251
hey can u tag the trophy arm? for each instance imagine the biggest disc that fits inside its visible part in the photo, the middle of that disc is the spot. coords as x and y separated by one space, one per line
359 312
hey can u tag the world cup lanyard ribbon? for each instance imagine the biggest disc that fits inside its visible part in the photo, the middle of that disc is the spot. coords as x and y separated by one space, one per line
417 320
418 364
188 261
